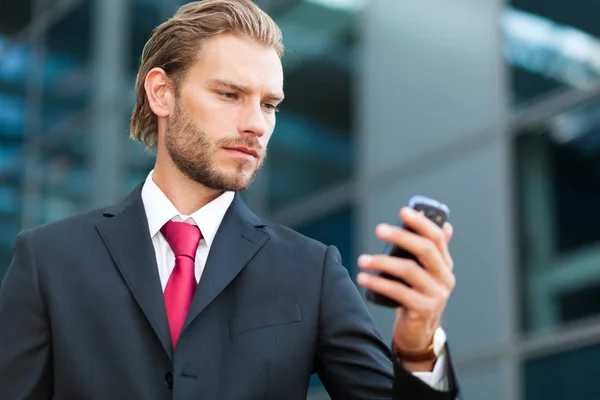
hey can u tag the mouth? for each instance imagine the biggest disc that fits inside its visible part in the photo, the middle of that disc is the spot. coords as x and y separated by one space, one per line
244 150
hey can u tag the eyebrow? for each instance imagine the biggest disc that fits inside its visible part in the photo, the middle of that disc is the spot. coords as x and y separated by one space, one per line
243 89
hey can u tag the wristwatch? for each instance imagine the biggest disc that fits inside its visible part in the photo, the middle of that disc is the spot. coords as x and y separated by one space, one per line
432 353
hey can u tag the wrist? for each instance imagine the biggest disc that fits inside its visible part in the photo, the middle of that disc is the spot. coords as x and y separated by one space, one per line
424 359
413 367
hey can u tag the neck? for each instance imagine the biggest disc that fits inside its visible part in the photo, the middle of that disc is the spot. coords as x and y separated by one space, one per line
186 195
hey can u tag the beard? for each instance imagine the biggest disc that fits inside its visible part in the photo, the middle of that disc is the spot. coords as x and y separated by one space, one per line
193 153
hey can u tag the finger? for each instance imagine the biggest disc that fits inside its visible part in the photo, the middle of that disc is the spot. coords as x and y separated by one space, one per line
428 229
424 226
448 231
424 249
408 297
405 269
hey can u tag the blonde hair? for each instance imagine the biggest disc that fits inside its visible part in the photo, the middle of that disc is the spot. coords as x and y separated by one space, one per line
174 47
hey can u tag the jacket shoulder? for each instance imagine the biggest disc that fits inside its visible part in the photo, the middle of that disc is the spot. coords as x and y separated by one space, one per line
69 227
285 236
303 250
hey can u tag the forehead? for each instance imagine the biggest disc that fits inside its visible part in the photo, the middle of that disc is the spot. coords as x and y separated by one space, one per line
240 60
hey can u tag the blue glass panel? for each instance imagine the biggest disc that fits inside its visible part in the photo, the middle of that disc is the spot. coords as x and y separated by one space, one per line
66 72
336 228
14 16
550 45
558 192
14 57
146 15
571 375
312 148
65 128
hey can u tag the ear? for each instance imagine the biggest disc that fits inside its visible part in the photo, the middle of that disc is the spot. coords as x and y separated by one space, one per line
158 90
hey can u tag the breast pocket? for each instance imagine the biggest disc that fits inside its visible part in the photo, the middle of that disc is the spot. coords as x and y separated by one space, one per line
266 317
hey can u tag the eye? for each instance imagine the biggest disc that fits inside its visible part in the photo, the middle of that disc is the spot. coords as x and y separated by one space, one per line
271 107
228 95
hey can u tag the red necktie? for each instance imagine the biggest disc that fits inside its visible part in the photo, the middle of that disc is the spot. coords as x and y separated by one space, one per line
183 239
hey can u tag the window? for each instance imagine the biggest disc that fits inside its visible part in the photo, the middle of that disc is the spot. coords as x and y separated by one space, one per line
336 228
312 146
550 46
558 186
14 16
568 375
64 128
146 15
14 58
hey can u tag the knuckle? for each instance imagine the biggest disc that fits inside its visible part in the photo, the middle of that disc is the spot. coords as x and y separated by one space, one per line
452 281
385 283
429 307
377 259
409 268
428 248
440 237
439 294
445 294
377 282
401 267
384 262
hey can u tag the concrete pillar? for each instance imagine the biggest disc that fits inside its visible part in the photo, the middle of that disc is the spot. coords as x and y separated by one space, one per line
109 115
433 108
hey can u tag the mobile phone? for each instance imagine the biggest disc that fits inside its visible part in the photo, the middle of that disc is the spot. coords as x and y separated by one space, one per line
432 209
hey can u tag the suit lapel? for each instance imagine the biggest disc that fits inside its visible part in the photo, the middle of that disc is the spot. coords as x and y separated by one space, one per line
126 234
238 239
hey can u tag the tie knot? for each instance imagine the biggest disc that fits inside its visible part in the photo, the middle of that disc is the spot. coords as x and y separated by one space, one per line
182 237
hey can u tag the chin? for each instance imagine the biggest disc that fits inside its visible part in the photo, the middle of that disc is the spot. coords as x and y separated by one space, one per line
236 181
241 182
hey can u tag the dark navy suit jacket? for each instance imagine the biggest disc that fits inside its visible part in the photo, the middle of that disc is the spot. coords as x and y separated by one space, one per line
82 316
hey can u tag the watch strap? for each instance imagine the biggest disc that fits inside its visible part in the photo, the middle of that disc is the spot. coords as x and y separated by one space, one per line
422 356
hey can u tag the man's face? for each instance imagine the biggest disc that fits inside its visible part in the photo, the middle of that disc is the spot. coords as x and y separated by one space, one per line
224 114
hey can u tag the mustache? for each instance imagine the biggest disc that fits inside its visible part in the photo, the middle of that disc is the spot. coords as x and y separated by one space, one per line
245 142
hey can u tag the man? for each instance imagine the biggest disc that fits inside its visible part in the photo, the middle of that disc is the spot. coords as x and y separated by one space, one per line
180 291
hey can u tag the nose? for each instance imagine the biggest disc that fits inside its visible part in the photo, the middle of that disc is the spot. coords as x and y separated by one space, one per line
252 121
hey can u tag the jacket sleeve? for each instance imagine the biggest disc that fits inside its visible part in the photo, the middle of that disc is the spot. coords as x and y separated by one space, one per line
25 343
353 361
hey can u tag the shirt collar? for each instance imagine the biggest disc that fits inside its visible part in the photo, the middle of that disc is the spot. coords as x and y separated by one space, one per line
159 210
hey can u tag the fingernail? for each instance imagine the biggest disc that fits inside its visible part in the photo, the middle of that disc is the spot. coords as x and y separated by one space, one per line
410 213
384 229
362 278
364 260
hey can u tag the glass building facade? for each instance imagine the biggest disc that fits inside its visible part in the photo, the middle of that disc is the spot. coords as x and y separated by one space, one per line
494 108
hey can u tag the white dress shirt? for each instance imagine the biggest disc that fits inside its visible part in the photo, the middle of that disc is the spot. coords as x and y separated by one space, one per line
160 210
437 379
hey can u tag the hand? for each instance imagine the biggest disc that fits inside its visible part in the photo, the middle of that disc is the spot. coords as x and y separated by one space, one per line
424 302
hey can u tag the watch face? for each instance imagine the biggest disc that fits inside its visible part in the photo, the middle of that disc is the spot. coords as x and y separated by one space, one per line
439 341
